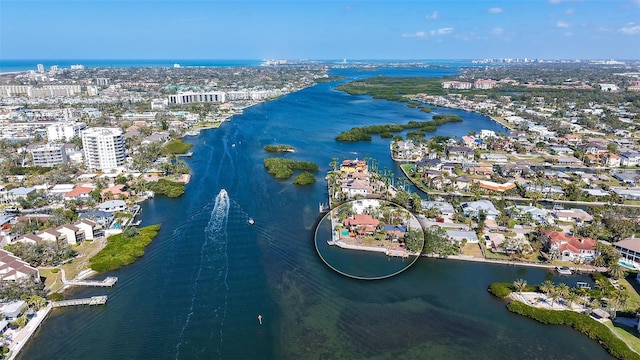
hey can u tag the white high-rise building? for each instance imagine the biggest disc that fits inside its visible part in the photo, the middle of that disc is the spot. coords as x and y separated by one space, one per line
40 68
64 131
103 148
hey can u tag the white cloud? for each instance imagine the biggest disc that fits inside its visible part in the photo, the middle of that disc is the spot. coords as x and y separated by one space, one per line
495 10
433 16
562 24
418 34
496 31
631 29
441 31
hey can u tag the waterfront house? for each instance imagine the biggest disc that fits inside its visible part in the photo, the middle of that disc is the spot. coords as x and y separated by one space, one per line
361 224
568 160
568 248
473 208
98 217
428 164
350 166
13 268
449 168
12 309
627 178
578 216
614 160
493 186
118 191
523 211
629 250
629 194
461 235
395 232
513 169
356 187
462 183
113 206
445 208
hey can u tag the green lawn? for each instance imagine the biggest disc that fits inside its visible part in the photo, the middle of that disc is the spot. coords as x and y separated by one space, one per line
634 298
630 339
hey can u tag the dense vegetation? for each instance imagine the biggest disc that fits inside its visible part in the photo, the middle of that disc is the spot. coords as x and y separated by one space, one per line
45 253
166 187
580 322
176 146
29 170
501 290
393 88
306 178
123 249
364 133
279 148
283 168
25 287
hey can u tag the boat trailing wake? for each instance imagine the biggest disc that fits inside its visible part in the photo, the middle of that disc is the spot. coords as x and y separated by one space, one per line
214 260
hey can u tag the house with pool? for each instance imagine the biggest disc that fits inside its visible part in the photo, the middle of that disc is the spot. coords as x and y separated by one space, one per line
629 250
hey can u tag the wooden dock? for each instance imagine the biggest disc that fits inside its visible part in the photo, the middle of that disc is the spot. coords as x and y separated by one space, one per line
108 282
94 300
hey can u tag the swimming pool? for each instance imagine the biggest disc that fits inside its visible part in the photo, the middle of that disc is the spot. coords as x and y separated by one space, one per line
344 233
628 265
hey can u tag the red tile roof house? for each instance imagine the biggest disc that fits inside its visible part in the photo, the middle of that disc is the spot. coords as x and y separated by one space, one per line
568 247
79 193
362 223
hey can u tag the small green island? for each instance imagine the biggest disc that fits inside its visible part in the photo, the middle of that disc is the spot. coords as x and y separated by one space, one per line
386 130
167 187
282 168
279 148
124 248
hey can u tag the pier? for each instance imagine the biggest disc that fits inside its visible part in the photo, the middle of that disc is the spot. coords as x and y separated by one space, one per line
94 300
108 282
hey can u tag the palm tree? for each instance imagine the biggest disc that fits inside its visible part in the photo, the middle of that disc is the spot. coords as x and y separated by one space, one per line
554 295
520 285
563 289
571 297
547 287
602 285
616 271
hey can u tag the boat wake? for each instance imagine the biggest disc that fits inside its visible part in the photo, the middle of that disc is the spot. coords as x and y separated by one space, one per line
214 260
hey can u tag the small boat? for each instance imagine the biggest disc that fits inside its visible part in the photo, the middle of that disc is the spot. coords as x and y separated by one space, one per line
251 221
563 270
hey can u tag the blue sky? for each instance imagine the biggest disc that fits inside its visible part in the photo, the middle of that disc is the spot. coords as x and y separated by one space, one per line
298 29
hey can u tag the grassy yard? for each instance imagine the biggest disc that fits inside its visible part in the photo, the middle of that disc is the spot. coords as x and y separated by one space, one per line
628 337
472 250
634 298
86 250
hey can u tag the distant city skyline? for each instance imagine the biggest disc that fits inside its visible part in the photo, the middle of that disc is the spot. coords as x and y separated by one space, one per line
297 29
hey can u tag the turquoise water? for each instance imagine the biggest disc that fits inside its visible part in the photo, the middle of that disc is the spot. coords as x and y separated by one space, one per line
198 290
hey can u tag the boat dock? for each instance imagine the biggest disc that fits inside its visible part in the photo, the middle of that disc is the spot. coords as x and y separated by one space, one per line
94 300
189 154
108 282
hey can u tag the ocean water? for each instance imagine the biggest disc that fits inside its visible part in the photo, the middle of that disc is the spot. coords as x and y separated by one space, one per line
31 64
198 290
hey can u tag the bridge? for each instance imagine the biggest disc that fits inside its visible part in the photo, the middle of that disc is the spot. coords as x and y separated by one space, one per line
94 300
